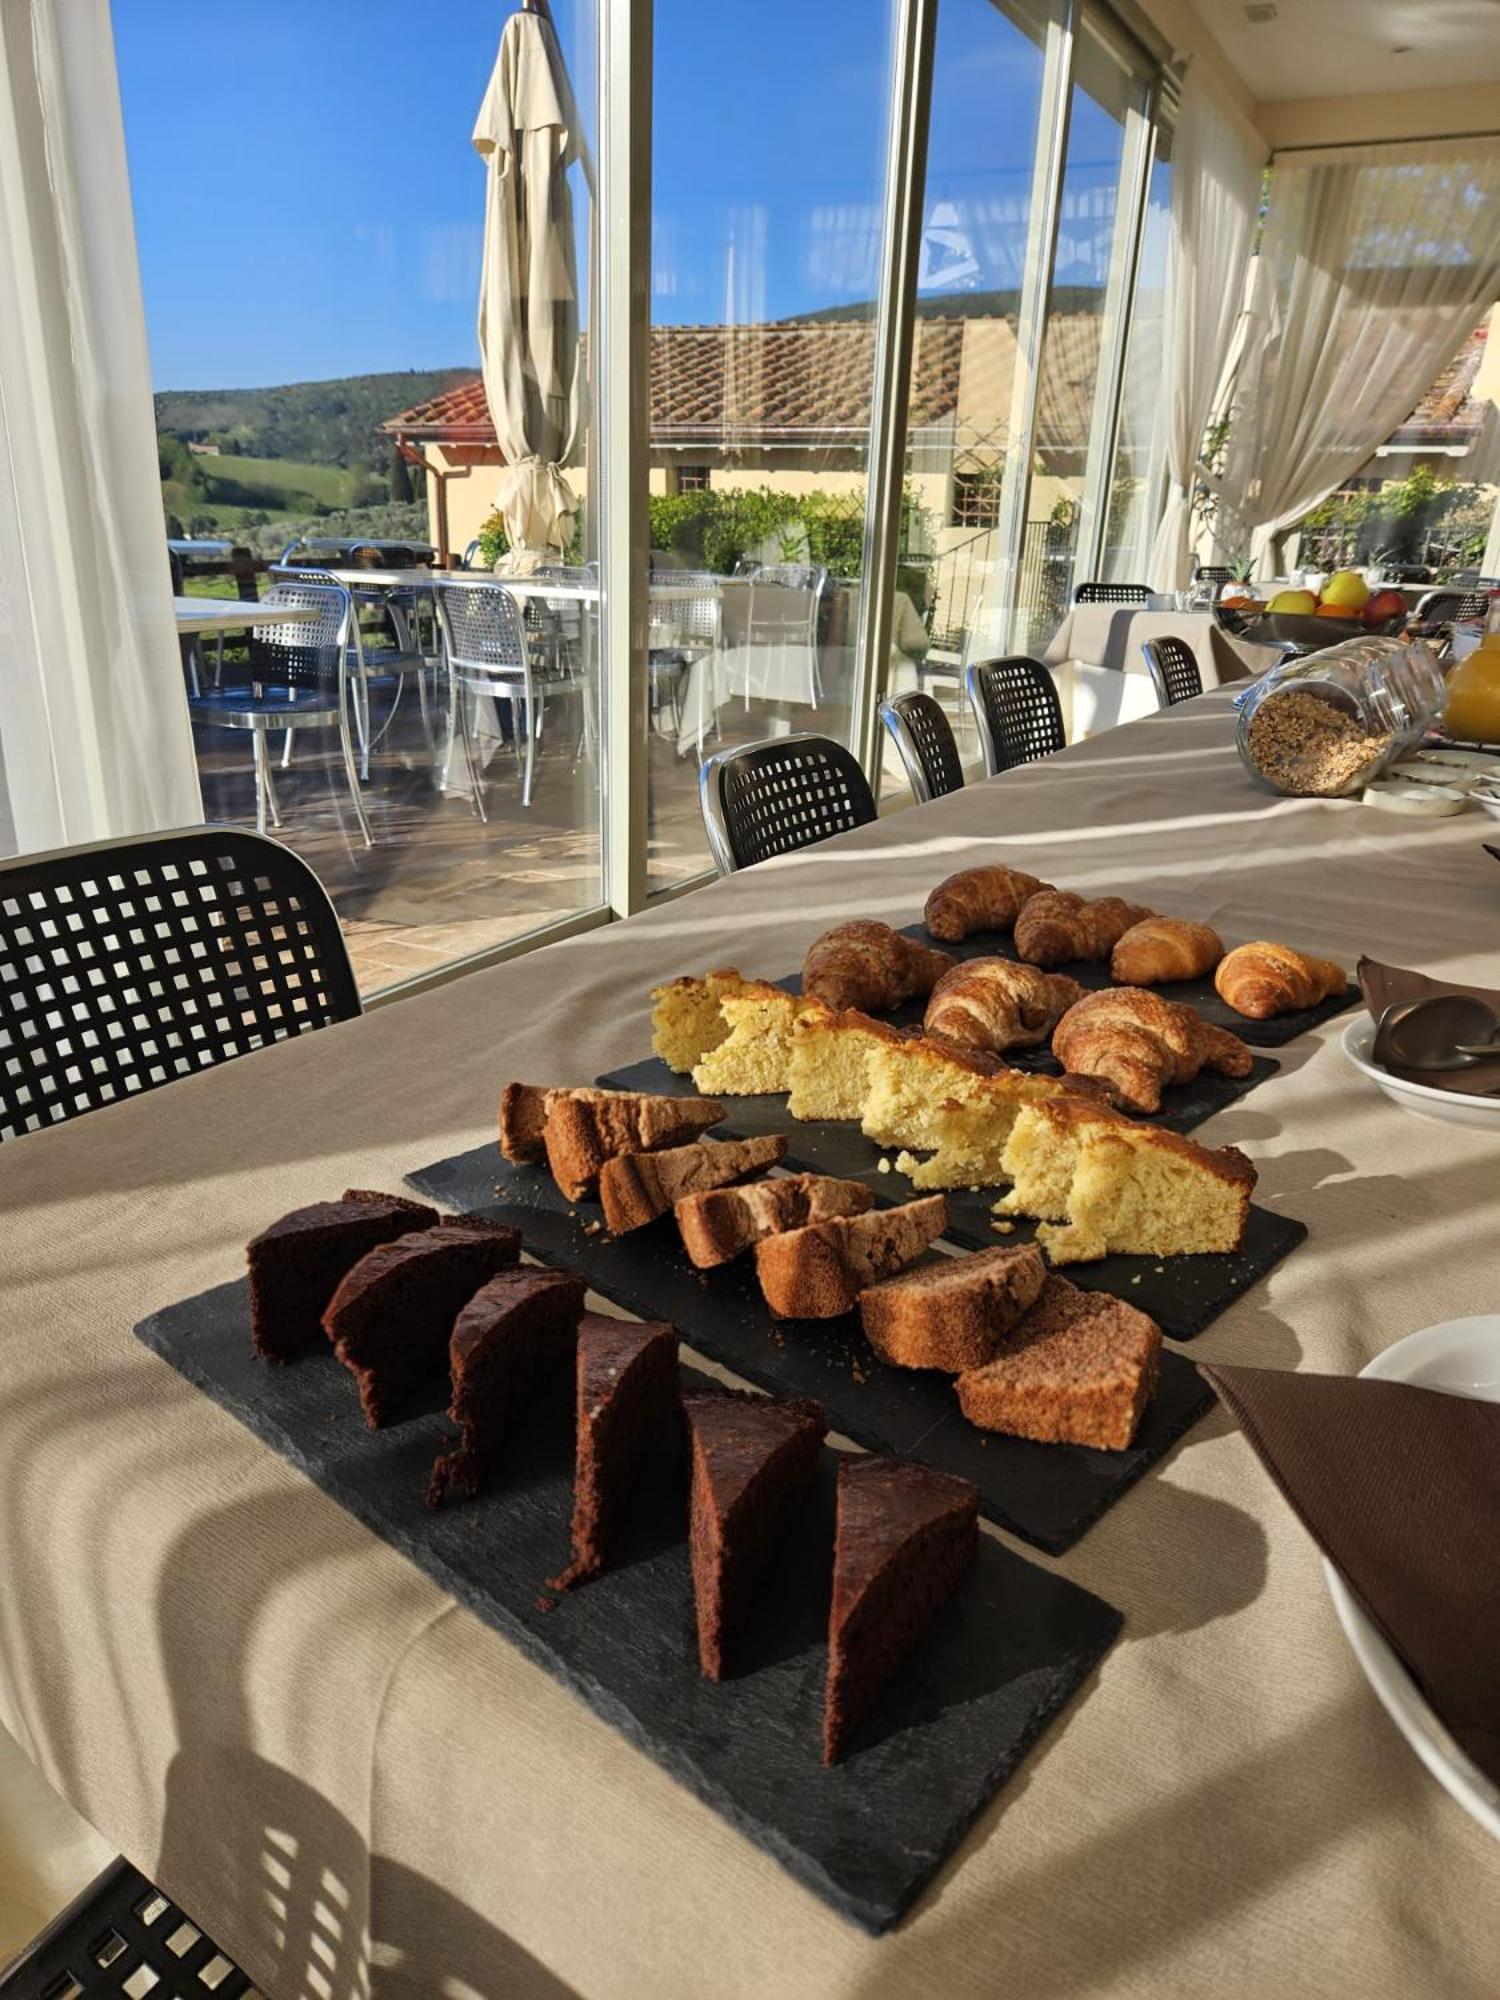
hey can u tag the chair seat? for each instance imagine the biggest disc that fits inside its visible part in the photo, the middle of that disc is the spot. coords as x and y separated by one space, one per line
387 661
244 708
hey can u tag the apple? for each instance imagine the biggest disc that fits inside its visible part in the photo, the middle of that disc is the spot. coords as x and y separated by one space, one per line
1347 589
1293 604
1384 605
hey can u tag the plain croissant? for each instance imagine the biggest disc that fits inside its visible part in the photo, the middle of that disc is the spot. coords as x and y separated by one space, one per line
993 1003
871 967
1057 927
1139 1043
1164 948
978 899
1258 980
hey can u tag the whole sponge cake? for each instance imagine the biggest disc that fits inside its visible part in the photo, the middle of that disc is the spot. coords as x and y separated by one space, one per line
587 1127
905 1540
953 1313
513 1341
629 1417
753 1460
635 1188
721 1225
392 1314
1079 1369
295 1265
818 1272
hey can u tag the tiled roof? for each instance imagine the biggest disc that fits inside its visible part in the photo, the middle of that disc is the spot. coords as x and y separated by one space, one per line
729 385
1450 413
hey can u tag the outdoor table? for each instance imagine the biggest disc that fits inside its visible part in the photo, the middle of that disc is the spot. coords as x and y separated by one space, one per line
1111 635
304 1739
197 616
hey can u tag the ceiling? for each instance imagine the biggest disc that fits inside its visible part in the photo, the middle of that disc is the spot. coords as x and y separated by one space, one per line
1345 48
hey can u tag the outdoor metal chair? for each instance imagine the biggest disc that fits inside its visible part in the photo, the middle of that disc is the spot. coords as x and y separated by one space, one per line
774 797
784 602
297 677
470 558
127 964
109 1939
685 616
380 670
925 744
1451 607
1112 593
1173 667
1016 712
489 653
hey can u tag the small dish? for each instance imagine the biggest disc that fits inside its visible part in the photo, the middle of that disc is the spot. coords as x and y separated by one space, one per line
1462 1358
1449 1107
1488 799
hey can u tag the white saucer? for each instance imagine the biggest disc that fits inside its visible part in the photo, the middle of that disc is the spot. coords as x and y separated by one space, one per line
1449 1107
1461 1357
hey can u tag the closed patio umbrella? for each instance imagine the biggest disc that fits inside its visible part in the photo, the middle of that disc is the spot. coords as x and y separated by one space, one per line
528 135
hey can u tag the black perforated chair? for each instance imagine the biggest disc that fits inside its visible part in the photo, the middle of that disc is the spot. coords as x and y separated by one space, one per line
1448 607
128 964
1016 712
924 741
776 796
1173 667
1112 593
1217 574
100 1944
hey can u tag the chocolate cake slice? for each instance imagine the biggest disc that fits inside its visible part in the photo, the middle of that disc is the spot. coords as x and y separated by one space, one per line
629 1414
511 1342
906 1539
393 1313
296 1264
636 1188
753 1463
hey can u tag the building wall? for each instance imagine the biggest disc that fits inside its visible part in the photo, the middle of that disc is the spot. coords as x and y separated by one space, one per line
1405 114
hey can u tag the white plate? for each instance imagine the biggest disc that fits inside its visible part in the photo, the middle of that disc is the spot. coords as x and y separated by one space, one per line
1451 1107
1462 1357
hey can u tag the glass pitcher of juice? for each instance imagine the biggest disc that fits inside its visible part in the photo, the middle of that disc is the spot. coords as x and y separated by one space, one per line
1471 713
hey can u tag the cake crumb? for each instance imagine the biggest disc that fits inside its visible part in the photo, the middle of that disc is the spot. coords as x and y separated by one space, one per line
1002 1228
1136 1279
547 1603
883 1164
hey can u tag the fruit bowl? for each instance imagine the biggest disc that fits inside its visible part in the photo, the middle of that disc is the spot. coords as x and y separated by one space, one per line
1305 630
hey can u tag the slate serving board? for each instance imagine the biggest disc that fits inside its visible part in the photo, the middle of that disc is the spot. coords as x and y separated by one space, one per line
1182 1294
1195 993
1048 1494
1004 1656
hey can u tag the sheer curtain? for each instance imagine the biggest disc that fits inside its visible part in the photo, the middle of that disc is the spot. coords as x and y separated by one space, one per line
93 724
1377 261
1216 174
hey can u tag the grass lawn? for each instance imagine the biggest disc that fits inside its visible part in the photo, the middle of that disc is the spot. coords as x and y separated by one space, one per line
235 487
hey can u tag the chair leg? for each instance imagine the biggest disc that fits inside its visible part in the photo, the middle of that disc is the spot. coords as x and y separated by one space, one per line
286 750
351 772
258 750
533 730
461 699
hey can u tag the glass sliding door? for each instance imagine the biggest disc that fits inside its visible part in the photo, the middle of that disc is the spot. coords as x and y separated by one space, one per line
770 131
1137 478
328 395
978 222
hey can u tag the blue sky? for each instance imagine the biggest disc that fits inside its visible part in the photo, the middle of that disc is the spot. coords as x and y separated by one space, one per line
308 204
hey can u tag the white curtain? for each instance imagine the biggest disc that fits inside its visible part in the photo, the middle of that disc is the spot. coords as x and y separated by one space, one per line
1216 177
1377 261
93 722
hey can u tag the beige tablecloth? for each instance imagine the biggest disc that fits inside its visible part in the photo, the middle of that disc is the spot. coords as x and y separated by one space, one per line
305 1740
1111 635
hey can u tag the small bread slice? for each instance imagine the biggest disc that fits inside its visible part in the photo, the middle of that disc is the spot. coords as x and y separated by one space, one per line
952 1314
719 1226
636 1188
1079 1369
819 1272
587 1127
686 1020
524 1111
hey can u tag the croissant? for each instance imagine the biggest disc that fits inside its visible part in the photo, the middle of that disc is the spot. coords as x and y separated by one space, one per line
993 1003
871 967
1262 979
1139 1043
1056 926
1163 948
978 899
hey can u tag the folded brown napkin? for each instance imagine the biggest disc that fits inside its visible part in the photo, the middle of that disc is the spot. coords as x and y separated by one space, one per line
1386 985
1400 1488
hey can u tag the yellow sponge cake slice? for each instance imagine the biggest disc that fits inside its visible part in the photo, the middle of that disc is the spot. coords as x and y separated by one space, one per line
754 1058
686 1021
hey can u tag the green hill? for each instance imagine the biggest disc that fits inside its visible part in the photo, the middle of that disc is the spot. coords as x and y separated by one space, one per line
311 423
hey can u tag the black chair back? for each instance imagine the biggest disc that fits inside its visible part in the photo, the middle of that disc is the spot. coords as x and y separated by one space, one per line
922 736
127 964
1212 573
1016 711
1173 667
1449 607
119 1927
774 797
1112 593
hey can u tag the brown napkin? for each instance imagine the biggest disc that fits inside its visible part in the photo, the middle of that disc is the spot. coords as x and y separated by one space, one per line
1400 1488
1385 985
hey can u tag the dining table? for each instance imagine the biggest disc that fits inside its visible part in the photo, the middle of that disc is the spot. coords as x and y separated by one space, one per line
199 617
359 1788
